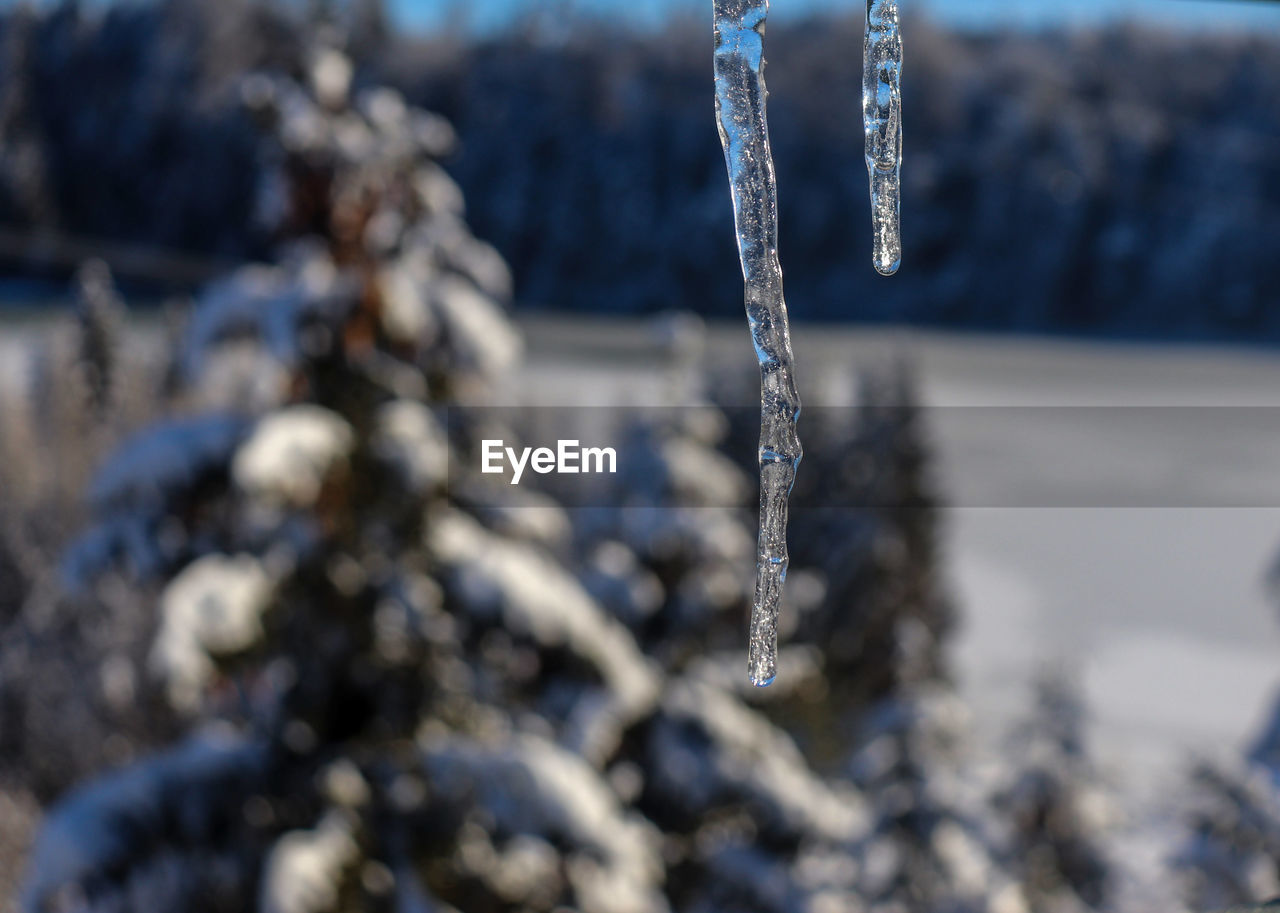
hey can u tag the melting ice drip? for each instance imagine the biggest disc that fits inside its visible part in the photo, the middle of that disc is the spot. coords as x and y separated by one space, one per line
882 121
740 114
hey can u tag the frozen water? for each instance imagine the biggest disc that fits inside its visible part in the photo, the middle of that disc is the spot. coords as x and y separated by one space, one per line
882 121
740 114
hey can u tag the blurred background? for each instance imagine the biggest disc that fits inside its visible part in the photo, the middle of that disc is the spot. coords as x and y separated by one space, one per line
271 270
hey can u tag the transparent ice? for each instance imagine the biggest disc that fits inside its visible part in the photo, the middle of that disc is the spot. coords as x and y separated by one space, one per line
882 121
740 114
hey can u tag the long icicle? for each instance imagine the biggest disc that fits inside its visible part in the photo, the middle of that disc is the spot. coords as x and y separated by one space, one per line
882 122
744 133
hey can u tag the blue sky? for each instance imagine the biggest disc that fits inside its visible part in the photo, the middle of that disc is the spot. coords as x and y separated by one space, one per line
487 15
1232 14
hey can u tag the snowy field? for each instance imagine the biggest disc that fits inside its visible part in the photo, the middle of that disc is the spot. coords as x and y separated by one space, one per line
1161 610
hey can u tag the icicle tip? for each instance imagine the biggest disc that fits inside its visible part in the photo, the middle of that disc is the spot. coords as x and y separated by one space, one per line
888 267
762 678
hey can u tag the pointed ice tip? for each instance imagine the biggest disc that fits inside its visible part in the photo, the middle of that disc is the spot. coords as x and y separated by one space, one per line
762 668
888 269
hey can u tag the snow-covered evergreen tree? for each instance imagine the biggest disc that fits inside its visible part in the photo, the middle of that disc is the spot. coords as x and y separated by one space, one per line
392 697
1054 806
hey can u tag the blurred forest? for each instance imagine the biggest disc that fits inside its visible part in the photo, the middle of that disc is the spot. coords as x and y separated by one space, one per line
1115 182
266 643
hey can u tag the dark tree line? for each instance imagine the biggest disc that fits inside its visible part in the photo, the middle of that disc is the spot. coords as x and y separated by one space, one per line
1113 181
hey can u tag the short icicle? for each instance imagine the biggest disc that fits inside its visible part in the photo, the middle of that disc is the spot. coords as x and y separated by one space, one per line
882 122
740 114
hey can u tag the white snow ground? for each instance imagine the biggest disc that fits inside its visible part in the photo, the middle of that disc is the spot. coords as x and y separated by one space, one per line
1160 610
